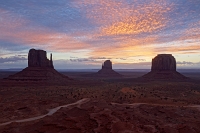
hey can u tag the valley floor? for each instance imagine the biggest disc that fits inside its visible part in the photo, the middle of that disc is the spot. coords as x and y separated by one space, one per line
123 105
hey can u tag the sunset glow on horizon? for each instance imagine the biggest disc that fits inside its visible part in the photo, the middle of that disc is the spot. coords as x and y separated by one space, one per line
82 34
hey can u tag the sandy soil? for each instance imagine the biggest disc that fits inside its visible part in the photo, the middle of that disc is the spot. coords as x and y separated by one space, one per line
115 105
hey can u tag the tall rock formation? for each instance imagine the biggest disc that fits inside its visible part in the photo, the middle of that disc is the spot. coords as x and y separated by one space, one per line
106 71
164 67
163 62
38 58
39 69
107 65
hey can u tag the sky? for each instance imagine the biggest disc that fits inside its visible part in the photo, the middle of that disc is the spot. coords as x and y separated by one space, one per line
82 34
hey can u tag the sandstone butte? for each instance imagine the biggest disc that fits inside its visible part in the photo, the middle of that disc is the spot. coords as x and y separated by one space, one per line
164 67
107 70
40 68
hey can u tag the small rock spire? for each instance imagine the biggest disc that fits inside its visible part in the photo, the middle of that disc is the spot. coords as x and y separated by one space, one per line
51 57
51 61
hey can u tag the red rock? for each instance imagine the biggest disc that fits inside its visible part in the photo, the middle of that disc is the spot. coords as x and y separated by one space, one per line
164 67
163 62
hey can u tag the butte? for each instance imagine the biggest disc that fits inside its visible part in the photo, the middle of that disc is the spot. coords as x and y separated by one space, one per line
164 68
39 69
106 71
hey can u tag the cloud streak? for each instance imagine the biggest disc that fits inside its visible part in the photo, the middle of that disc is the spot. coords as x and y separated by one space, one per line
12 59
115 29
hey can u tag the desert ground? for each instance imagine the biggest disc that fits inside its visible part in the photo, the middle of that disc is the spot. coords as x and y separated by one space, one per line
101 105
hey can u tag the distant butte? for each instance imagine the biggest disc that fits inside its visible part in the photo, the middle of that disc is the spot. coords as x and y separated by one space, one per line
39 69
107 71
164 67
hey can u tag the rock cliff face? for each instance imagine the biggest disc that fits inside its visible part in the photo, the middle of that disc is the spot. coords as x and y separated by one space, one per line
163 62
38 58
39 69
164 67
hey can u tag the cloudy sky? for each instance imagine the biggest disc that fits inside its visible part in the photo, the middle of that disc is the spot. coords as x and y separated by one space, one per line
84 33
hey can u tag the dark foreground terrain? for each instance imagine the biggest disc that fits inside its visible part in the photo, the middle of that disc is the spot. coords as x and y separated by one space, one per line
101 105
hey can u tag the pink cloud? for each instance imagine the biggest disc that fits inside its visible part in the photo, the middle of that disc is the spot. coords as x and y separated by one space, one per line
19 30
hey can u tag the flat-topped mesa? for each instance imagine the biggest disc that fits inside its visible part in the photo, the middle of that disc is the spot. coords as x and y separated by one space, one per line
164 68
38 58
107 65
163 62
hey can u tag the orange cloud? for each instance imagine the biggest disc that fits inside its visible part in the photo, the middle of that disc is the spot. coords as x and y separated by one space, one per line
189 49
151 19
118 21
127 48
119 17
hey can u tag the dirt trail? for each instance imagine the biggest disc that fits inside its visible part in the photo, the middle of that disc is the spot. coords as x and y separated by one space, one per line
51 112
195 106
85 100
169 105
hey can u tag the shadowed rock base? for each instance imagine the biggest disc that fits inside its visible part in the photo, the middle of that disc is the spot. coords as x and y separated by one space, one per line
107 73
162 75
38 74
